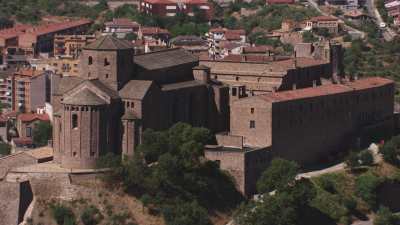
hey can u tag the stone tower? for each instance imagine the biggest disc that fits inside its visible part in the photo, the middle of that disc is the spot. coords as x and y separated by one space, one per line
109 60
81 124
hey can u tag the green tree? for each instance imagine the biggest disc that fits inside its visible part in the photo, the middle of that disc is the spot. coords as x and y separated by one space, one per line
391 151
308 37
5 149
278 176
62 214
131 36
385 217
91 216
282 208
42 133
366 187
186 214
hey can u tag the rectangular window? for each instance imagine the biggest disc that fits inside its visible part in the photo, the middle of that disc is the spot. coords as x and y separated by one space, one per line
74 121
252 110
234 92
29 131
252 124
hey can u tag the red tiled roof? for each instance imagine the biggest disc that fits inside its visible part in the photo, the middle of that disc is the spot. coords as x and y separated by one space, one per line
28 117
3 118
323 18
326 89
11 114
14 31
122 22
23 141
248 58
225 30
29 72
280 1
258 49
163 2
153 30
354 13
55 27
195 2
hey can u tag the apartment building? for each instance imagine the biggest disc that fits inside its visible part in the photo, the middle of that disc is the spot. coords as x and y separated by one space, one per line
328 22
40 39
71 45
30 90
121 27
172 7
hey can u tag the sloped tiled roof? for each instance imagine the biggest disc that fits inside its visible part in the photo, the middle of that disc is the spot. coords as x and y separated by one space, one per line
27 117
84 97
164 59
180 85
110 92
323 90
129 115
108 42
66 84
135 89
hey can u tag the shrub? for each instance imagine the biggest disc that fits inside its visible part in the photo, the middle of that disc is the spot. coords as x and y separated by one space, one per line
42 133
279 175
363 158
366 187
62 214
385 217
5 149
91 216
186 214
390 151
366 158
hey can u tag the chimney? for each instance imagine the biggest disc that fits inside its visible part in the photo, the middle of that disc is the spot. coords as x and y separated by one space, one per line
314 83
201 73
294 86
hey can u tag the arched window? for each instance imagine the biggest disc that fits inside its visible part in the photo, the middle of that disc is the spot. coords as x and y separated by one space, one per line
90 60
74 121
106 63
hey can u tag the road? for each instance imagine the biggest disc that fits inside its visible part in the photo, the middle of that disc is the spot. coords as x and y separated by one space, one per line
387 33
316 7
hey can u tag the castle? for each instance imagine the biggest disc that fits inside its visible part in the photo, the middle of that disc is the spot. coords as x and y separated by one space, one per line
118 95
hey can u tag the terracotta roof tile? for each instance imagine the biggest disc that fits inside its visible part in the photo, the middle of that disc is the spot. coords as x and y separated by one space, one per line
280 1
28 117
329 89
135 89
55 27
108 42
14 31
257 49
84 97
23 141
122 22
164 59
323 18
153 31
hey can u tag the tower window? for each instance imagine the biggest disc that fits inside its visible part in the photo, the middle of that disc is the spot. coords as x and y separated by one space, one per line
90 60
106 75
106 63
74 121
252 110
252 124
234 92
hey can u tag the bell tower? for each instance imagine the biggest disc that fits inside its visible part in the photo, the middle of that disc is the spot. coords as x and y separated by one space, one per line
108 59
